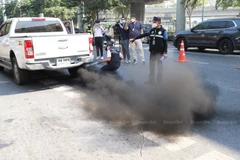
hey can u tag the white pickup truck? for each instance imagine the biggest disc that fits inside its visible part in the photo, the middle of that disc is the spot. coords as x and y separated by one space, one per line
39 43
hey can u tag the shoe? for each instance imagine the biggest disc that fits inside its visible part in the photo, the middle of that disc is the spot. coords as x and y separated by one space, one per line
134 61
98 57
128 61
101 58
143 62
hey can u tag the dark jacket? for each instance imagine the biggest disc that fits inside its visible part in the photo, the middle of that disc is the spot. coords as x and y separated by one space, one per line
115 58
158 39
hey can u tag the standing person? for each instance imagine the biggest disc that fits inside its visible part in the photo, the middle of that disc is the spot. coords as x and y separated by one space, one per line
89 29
157 47
135 29
98 38
113 58
124 39
67 26
110 33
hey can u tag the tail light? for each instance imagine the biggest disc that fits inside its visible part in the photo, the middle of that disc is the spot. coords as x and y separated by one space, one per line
90 39
28 48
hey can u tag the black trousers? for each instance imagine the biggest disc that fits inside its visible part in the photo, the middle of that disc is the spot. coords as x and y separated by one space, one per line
99 45
155 59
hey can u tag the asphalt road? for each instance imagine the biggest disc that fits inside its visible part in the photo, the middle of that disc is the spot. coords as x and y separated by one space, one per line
45 118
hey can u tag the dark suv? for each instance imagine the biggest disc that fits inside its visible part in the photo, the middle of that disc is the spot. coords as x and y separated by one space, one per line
221 34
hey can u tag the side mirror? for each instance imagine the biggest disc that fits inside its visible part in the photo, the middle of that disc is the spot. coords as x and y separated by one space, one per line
192 29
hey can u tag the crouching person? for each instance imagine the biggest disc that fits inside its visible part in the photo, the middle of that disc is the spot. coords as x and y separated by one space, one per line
113 59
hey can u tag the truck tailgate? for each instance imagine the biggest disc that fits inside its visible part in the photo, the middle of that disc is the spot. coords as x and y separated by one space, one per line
60 46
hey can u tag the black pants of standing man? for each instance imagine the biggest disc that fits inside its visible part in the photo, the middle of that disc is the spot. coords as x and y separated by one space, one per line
99 45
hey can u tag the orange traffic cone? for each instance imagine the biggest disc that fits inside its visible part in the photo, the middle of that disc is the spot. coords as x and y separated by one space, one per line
182 57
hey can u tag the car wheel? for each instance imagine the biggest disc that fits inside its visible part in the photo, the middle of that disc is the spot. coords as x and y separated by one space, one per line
225 46
1 68
73 71
20 76
201 48
179 43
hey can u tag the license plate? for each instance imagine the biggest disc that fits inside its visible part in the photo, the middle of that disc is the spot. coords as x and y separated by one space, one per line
63 61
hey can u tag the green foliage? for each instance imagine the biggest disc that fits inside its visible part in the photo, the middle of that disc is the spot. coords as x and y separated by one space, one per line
224 4
64 9
190 5
51 8
122 10
12 9
60 12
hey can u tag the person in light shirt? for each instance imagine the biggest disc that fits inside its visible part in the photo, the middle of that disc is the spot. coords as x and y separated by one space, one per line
98 38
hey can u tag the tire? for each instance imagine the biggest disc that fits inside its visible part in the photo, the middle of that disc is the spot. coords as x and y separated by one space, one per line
1 68
73 72
179 40
20 76
201 48
225 46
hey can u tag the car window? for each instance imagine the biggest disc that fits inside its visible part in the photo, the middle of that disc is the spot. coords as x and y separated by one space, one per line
38 26
2 29
230 24
8 25
203 25
217 24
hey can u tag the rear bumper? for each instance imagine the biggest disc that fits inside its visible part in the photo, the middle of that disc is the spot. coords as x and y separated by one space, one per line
51 64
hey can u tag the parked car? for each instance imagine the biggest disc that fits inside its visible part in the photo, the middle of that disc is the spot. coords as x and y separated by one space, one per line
38 43
221 34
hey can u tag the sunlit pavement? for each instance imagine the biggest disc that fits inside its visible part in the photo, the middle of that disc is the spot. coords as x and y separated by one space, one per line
45 120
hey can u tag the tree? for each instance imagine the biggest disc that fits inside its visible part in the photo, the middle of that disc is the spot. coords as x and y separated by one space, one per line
12 9
50 8
190 5
122 10
92 8
224 4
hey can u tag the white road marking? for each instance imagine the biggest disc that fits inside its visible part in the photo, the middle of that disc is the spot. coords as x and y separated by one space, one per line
198 62
172 143
62 88
74 95
4 82
214 155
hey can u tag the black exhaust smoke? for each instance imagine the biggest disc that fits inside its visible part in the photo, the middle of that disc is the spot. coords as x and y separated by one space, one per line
167 108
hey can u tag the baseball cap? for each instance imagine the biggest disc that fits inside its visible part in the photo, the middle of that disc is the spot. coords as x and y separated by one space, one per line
156 19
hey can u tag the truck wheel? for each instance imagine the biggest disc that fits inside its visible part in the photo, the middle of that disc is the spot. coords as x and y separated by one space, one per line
73 71
225 46
1 68
20 76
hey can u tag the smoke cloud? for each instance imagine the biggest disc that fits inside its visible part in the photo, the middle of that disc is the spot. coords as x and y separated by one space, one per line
167 108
